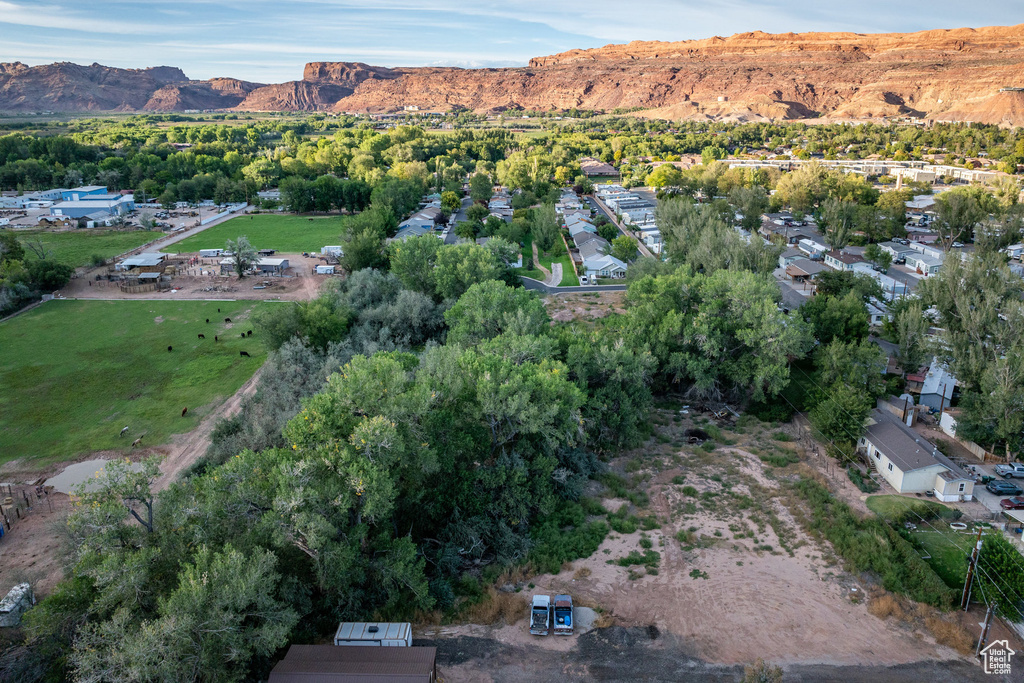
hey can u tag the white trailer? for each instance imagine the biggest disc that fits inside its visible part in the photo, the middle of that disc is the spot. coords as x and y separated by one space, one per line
210 253
374 634
325 270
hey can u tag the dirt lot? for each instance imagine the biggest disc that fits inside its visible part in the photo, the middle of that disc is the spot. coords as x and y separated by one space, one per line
738 578
584 306
198 283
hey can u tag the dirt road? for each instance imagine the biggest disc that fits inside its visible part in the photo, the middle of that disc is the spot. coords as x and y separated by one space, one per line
187 448
648 654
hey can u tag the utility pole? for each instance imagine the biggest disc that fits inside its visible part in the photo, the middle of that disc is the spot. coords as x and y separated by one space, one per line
984 628
965 599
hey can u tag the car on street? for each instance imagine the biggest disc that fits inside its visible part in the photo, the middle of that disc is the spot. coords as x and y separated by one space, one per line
1003 488
1012 503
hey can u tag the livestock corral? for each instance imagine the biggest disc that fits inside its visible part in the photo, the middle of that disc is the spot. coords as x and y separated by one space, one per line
85 376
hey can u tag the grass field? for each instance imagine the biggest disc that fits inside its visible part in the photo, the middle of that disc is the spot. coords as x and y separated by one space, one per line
76 248
290 234
73 373
947 554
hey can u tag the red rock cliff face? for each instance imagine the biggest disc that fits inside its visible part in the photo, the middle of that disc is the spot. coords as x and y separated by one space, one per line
945 74
938 74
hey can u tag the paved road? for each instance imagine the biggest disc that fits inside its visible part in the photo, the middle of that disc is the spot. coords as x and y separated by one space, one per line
538 286
611 217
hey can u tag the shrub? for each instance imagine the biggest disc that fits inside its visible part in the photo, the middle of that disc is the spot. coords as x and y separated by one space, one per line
866 485
649 558
689 491
872 545
780 459
782 436
563 536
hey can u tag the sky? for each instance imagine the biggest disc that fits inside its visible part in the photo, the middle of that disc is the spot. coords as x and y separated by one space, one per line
269 41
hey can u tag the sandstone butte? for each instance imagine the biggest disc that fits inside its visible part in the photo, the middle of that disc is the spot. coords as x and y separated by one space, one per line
956 74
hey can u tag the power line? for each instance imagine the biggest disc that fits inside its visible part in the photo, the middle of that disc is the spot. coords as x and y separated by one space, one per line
1019 561
899 501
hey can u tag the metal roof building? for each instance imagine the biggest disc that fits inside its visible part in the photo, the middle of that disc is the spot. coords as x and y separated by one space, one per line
330 664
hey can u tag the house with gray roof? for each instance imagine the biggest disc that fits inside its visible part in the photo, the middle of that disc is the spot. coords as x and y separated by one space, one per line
910 463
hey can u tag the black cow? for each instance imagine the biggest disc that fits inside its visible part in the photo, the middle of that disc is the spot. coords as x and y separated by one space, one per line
184 410
202 336
170 348
249 333
244 354
227 320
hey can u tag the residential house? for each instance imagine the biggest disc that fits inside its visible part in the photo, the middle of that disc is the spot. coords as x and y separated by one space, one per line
583 237
924 264
604 266
933 384
1015 251
788 256
803 270
842 260
878 312
592 168
895 249
812 248
909 463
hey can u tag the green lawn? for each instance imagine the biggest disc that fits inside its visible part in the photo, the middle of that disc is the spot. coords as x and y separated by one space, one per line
569 278
291 234
73 373
76 248
900 507
947 551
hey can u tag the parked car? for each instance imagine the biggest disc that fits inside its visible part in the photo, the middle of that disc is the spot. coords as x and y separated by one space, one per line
540 615
1014 469
1012 503
1003 488
563 615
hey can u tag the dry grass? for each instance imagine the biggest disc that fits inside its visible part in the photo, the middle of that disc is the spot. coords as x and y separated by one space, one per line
949 629
951 633
581 573
497 606
887 605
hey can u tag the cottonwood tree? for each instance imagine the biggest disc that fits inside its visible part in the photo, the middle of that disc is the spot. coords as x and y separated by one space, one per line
837 219
488 309
243 255
958 214
911 330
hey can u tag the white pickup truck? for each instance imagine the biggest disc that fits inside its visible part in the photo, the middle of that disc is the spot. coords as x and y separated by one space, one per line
1014 469
540 615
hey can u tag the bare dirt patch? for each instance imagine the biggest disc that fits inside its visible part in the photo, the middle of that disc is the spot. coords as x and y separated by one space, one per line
198 282
584 305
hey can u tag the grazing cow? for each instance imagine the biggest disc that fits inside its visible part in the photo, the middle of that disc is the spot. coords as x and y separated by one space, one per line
202 336
184 410
218 310
249 333
137 441
170 348
245 354
243 335
227 320
215 338
207 320
124 431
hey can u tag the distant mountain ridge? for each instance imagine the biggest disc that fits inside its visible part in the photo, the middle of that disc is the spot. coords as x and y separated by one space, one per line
954 74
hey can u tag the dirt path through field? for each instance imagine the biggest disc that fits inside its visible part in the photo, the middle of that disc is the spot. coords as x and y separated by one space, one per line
187 448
